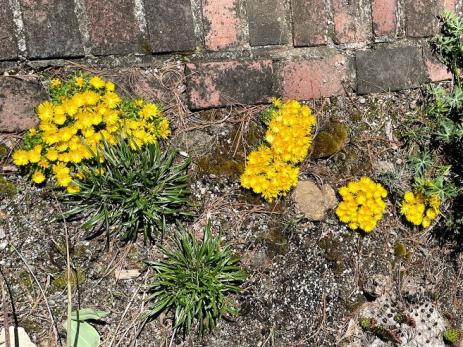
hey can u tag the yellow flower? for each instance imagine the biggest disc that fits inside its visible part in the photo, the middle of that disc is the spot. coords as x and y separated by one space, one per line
52 154
362 206
110 87
38 177
45 111
97 82
73 188
20 157
55 83
419 209
35 154
149 111
79 81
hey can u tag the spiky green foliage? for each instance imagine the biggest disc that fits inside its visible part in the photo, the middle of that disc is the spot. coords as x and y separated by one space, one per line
452 336
132 192
194 281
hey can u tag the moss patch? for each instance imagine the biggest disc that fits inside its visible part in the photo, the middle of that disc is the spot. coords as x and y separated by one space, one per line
60 281
7 188
330 140
333 253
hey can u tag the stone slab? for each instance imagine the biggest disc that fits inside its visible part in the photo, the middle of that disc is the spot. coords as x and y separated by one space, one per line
393 69
310 22
267 22
51 29
19 96
170 25
112 27
8 42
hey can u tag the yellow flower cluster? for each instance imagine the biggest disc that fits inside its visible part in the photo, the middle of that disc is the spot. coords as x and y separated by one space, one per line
270 170
363 204
289 131
83 112
420 210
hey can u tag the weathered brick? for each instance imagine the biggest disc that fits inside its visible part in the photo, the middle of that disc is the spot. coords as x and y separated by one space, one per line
311 78
221 23
19 95
170 25
450 5
420 17
348 26
436 70
267 24
8 42
384 13
112 26
222 83
51 28
309 22
156 85
392 69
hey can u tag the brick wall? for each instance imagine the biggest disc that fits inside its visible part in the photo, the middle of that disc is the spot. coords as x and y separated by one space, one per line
238 51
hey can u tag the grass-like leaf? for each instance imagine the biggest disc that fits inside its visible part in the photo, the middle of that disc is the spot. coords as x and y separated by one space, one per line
132 192
194 280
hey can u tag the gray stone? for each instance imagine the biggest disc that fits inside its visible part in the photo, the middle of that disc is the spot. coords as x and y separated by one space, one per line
267 24
51 29
309 22
18 99
221 83
420 17
8 43
313 201
384 70
170 25
113 28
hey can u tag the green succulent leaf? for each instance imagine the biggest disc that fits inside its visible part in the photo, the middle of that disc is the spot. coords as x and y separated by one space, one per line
83 334
88 313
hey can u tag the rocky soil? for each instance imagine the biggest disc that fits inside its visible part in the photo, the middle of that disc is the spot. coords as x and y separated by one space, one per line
311 280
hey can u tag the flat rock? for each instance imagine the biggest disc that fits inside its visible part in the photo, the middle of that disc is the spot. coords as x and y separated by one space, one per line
126 274
24 340
18 99
314 201
391 69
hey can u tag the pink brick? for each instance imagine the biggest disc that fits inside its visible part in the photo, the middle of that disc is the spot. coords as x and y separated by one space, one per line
384 14
221 24
221 83
437 72
448 4
305 79
347 21
309 22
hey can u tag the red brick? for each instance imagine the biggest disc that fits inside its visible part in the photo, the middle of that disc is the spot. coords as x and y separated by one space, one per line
221 24
51 29
309 22
348 26
305 79
170 25
384 13
113 27
8 43
222 83
19 95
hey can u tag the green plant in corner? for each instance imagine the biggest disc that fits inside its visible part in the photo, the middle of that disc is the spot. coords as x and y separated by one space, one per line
82 333
452 336
132 191
194 280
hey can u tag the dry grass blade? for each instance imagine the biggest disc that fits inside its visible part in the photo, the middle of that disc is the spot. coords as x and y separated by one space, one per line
42 292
